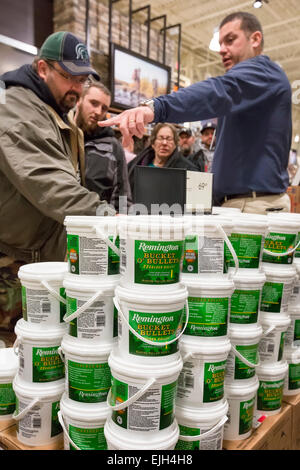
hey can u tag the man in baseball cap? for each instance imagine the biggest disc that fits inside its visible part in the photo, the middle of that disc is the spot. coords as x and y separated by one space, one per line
186 141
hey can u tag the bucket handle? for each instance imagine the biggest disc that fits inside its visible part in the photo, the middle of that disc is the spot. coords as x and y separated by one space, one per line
268 330
24 412
53 292
147 341
80 310
62 423
289 252
107 240
132 399
61 354
16 345
243 359
205 434
231 249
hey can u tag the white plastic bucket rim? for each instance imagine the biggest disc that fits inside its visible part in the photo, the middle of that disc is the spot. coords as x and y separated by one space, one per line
253 223
221 210
285 224
89 284
31 332
239 389
247 279
137 296
89 413
272 369
294 310
224 285
275 273
237 332
292 355
204 348
88 221
45 391
8 363
200 416
269 320
85 350
43 271
122 439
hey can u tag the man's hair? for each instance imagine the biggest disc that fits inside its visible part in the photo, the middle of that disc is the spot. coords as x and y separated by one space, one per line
249 23
98 85
159 126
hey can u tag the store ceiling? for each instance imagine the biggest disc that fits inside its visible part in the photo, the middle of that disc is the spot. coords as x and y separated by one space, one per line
198 18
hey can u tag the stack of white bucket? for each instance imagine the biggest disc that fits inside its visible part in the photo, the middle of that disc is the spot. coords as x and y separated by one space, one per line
93 260
201 407
39 383
146 362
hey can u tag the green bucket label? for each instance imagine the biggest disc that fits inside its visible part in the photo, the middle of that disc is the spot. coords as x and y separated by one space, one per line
87 438
248 249
269 395
39 306
156 327
73 253
186 445
294 377
62 306
297 252
157 263
153 411
91 323
246 416
113 258
115 324
297 330
271 297
279 243
7 399
244 306
88 383
208 316
213 389
190 259
47 365
55 424
281 346
242 370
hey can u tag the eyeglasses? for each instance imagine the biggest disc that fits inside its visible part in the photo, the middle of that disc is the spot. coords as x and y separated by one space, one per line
70 78
168 139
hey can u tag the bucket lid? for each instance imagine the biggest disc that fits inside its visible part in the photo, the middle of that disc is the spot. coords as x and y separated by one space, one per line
272 368
275 272
237 388
284 220
82 221
79 348
255 221
45 390
137 295
294 310
224 210
43 271
120 365
9 362
292 354
248 277
269 319
90 412
215 284
209 221
201 415
35 332
237 332
208 346
89 284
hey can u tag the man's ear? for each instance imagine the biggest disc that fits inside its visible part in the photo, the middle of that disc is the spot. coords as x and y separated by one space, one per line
256 39
42 69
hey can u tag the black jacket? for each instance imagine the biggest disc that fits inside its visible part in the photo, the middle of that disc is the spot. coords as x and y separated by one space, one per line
106 168
176 160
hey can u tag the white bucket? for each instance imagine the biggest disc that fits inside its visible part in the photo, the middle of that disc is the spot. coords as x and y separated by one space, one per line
151 251
201 381
271 382
88 377
295 297
8 370
122 439
204 246
271 345
247 239
292 378
93 245
37 412
90 309
292 336
282 238
243 357
83 424
201 429
245 300
150 326
226 210
241 398
209 307
39 359
277 290
142 398
43 295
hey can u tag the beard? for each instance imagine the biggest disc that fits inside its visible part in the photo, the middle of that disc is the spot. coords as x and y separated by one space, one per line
68 101
87 128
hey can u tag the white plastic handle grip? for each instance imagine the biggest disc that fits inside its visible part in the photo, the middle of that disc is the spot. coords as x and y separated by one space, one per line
145 340
132 399
61 354
268 330
289 252
205 434
16 345
231 249
80 310
53 292
243 359
24 412
107 240
62 423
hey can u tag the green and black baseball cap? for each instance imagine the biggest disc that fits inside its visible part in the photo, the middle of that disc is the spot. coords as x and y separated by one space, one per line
70 53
